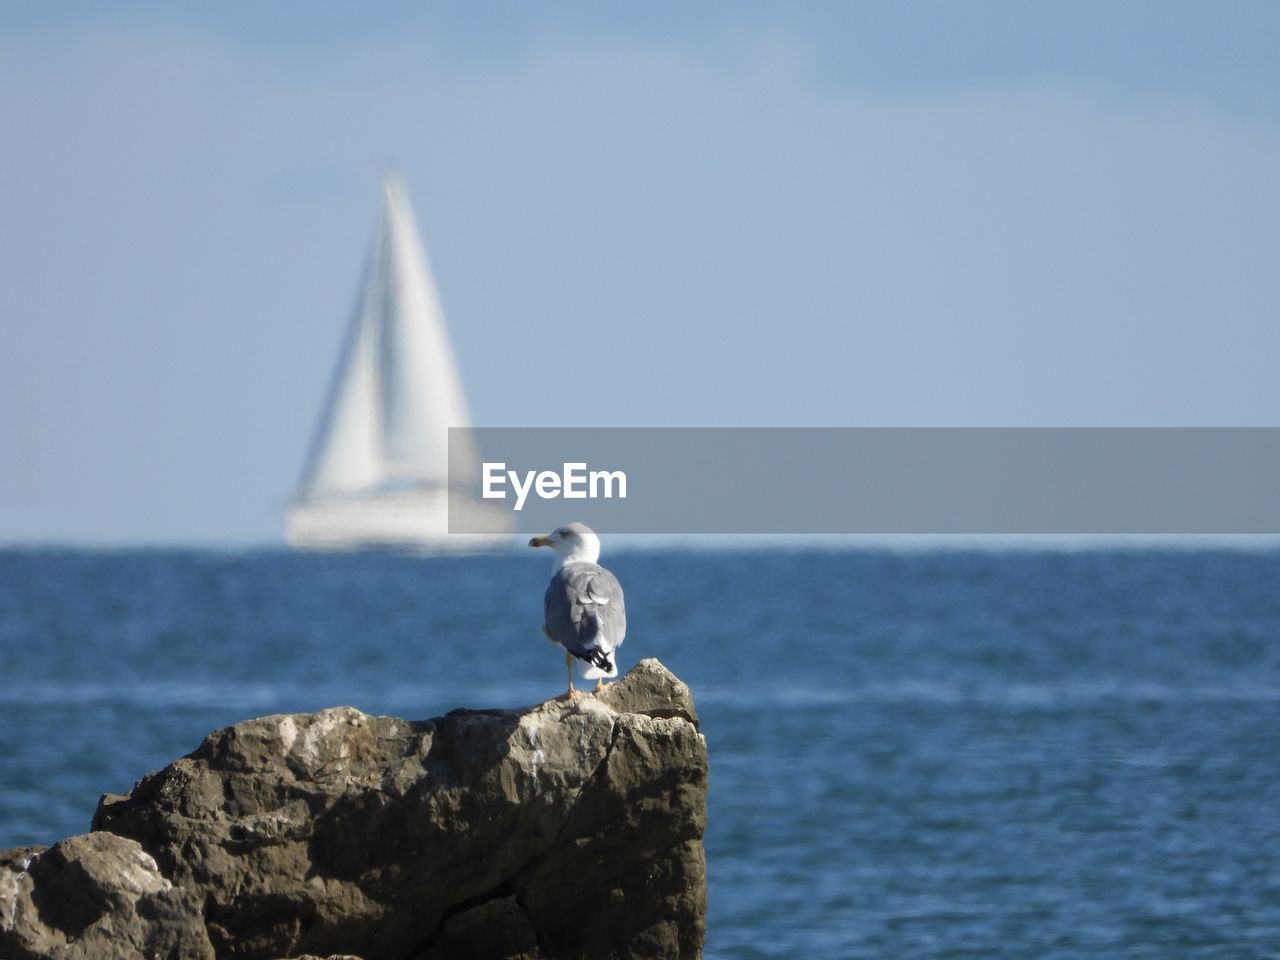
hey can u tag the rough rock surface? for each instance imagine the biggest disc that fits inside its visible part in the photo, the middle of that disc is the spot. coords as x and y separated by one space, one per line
572 829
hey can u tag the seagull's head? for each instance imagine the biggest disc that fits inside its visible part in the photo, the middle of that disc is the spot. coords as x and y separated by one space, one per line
573 541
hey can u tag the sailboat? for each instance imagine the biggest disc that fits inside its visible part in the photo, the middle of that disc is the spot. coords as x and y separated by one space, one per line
377 473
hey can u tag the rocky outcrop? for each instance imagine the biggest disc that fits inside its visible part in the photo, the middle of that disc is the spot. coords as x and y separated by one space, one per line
98 895
568 830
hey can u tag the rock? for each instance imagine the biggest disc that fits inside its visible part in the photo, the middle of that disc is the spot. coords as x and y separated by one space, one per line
499 929
570 829
97 895
653 690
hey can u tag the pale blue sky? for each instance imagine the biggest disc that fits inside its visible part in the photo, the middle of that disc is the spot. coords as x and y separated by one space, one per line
755 214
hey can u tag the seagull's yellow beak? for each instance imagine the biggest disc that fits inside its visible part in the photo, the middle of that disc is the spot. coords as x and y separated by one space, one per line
540 542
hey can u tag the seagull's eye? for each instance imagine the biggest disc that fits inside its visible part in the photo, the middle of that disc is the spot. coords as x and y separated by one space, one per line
562 532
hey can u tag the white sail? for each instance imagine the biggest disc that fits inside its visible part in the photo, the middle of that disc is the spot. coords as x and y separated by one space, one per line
347 452
421 391
397 389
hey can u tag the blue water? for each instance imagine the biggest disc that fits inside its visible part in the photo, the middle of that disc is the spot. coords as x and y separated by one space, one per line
1071 754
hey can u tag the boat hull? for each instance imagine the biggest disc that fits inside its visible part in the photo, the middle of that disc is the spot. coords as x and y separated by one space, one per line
416 520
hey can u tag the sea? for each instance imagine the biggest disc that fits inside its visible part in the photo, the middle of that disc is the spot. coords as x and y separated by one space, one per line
914 753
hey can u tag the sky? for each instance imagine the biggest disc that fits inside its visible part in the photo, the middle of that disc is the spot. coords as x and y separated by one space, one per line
746 214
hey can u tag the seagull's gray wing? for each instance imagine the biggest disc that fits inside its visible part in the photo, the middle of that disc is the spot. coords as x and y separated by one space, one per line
585 612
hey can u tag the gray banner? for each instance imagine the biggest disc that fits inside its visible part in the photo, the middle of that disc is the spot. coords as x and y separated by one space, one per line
856 480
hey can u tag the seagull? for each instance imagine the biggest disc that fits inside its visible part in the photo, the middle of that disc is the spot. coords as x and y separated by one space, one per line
583 605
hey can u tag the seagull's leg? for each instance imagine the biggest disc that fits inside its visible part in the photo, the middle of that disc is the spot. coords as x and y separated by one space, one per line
568 663
599 685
